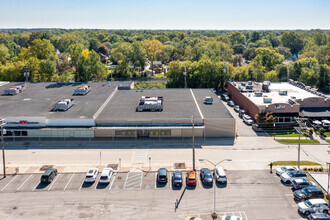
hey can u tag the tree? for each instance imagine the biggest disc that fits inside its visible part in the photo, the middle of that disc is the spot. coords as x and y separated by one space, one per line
167 54
122 52
75 53
138 55
236 38
285 51
103 50
255 36
238 48
153 49
42 49
320 39
323 54
271 76
292 40
267 117
268 58
4 54
323 76
94 44
47 70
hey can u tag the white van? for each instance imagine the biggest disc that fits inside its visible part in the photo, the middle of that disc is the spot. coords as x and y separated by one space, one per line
220 175
106 175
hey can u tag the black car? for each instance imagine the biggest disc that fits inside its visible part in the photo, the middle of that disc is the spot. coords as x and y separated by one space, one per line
311 192
230 103
319 216
301 183
206 176
162 175
177 178
241 113
48 176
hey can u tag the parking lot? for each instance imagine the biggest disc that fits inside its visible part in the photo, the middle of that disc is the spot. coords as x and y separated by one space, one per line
250 194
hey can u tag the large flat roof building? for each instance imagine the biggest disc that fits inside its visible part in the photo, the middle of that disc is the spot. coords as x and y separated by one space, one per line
110 110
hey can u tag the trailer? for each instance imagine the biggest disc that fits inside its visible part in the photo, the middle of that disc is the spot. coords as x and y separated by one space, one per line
14 90
82 90
63 104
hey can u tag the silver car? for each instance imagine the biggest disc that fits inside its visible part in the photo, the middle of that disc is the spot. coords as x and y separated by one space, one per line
313 205
285 169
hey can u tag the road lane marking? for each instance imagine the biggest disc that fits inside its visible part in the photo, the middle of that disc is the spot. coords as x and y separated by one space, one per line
113 179
54 182
9 183
24 182
68 182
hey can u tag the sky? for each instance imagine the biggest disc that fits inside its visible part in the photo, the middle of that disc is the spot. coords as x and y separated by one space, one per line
166 14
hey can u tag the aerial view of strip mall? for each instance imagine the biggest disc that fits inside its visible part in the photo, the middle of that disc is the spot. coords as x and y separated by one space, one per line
191 110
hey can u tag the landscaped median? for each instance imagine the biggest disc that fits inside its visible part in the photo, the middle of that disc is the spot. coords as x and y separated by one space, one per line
295 163
295 141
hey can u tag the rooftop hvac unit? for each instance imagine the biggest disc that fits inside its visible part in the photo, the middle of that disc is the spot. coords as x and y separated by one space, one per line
208 100
82 90
266 83
267 100
258 94
242 83
63 105
150 104
250 83
283 92
265 87
14 90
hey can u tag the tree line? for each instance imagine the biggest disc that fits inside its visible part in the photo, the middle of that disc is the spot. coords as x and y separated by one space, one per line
209 57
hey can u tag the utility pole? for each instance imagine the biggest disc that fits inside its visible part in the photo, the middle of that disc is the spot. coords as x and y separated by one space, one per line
193 141
302 125
185 77
3 149
26 74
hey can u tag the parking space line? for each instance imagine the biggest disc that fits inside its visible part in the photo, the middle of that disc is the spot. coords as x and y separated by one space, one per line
68 182
155 180
24 182
35 186
113 179
8 183
126 179
132 183
54 182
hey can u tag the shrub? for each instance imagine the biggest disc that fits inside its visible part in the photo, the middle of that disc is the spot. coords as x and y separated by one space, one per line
315 169
310 169
305 169
321 169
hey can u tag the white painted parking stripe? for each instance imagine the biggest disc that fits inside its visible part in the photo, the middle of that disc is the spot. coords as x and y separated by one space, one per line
113 179
68 182
126 179
54 182
9 183
133 179
132 184
35 186
155 180
24 182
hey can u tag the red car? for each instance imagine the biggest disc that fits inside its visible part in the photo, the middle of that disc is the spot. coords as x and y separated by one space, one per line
191 178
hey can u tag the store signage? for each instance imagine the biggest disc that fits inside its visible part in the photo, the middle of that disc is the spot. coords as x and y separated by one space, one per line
25 122
313 100
277 106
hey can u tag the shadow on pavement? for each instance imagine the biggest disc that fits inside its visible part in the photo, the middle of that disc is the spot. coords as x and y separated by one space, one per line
42 185
177 203
102 185
221 185
87 185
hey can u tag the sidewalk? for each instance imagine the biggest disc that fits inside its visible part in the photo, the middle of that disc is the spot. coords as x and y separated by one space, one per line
322 179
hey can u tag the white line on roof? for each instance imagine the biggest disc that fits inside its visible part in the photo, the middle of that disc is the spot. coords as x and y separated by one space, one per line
105 103
199 110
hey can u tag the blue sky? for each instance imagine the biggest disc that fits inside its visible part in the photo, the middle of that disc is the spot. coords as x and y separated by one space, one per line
166 14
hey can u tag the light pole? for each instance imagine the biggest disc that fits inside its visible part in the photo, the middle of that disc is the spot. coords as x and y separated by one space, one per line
302 125
149 163
328 195
193 141
185 77
3 148
214 214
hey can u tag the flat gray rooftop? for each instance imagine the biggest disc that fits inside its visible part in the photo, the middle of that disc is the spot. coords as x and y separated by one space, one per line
178 107
38 98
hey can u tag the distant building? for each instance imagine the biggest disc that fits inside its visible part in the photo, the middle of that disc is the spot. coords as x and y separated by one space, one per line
157 66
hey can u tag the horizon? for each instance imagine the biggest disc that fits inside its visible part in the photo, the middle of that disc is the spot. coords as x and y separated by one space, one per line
169 15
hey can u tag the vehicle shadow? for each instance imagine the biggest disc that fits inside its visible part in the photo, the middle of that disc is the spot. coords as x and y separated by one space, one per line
221 185
189 187
87 185
42 185
207 186
286 184
161 185
302 215
102 185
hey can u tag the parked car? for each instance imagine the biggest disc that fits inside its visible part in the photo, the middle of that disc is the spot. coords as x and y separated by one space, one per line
236 108
319 216
106 176
220 175
162 175
311 192
241 113
288 177
285 169
91 175
191 178
230 103
206 176
312 206
177 178
224 97
214 90
193 218
247 119
301 183
48 176
227 217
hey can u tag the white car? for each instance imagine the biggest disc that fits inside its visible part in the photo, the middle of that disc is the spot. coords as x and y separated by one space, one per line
313 205
285 169
227 217
289 176
91 175
220 175
247 119
106 176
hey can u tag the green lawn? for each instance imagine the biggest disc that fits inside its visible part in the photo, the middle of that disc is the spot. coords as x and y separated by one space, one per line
327 140
295 163
287 135
149 85
295 141
327 134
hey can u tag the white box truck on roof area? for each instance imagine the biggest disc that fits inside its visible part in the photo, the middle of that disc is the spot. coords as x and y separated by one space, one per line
82 90
63 105
14 90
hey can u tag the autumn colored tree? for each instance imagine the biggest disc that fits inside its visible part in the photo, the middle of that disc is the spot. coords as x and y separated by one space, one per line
153 48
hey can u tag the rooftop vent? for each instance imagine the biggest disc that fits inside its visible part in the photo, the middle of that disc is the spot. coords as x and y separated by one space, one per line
150 104
250 83
208 100
267 100
258 94
63 105
242 83
14 90
82 90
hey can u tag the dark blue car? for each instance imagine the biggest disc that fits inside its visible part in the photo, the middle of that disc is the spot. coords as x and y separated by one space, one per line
206 176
